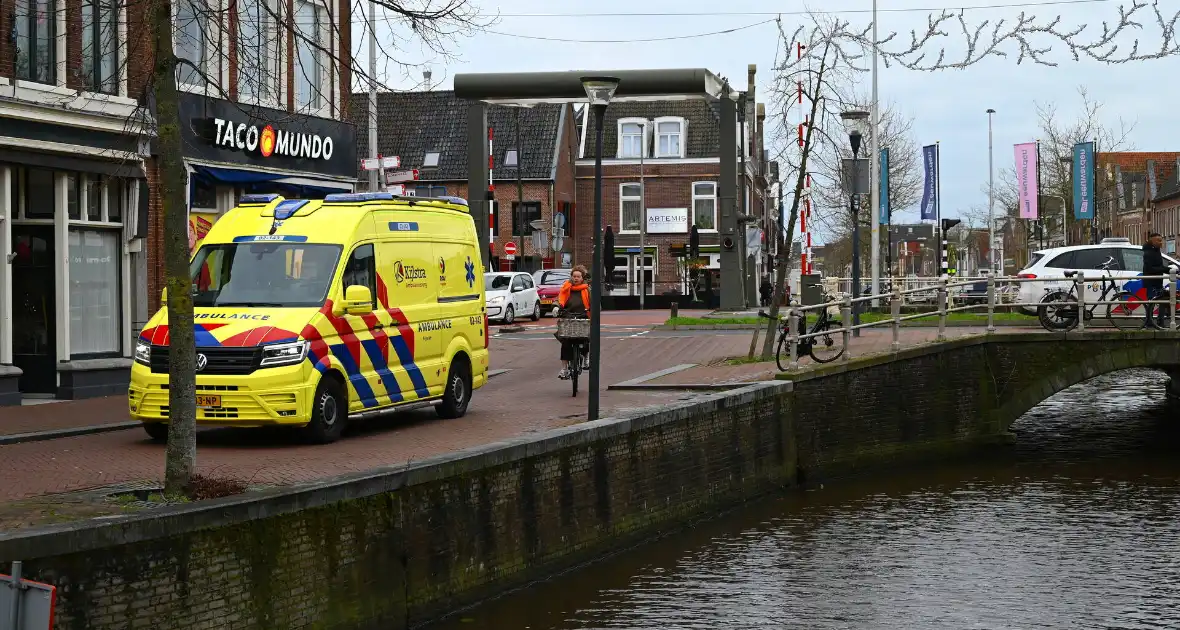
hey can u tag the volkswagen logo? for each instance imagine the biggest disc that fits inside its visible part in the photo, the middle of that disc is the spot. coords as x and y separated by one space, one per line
202 361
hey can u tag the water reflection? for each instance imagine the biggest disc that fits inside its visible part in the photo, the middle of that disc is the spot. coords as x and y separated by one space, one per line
1076 526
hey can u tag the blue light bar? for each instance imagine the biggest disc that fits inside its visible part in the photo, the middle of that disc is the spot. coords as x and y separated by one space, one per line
455 200
257 199
287 208
359 197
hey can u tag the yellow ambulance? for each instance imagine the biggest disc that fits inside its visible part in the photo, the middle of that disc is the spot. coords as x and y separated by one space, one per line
314 312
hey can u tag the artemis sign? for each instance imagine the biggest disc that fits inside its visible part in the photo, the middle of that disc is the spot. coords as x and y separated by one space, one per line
268 141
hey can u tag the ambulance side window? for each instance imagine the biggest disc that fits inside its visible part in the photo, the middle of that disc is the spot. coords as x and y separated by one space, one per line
361 269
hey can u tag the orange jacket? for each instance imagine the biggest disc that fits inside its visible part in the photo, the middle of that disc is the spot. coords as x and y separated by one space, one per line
563 295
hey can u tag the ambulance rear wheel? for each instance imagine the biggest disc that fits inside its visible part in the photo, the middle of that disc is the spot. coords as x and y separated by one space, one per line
457 395
329 413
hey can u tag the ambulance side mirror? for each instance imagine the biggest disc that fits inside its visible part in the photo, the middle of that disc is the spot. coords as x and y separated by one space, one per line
358 300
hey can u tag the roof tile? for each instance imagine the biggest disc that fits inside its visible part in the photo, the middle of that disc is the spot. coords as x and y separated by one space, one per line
410 124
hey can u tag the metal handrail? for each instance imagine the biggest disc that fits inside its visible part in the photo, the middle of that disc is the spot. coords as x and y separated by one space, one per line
796 314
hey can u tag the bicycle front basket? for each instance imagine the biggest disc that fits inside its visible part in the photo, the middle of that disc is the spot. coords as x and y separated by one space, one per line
573 328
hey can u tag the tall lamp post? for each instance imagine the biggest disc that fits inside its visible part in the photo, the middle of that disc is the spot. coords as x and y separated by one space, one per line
853 120
599 91
991 197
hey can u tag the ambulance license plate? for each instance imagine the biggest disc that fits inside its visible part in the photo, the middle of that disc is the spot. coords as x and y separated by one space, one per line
205 401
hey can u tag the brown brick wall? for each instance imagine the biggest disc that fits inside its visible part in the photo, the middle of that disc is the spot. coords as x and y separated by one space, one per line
7 48
74 44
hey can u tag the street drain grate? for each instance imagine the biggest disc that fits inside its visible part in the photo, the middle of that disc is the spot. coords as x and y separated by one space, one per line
137 494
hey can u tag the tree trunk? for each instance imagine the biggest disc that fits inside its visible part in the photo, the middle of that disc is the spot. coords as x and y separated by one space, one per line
181 458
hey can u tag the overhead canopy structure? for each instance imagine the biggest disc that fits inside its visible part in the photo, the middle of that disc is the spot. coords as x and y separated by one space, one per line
527 88
530 88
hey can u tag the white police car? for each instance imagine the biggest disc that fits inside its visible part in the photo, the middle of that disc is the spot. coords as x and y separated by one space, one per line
1115 257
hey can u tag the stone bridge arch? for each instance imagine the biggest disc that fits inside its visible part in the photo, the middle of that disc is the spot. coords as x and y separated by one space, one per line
943 396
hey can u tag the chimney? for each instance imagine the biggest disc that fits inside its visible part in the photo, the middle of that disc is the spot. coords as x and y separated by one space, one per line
426 74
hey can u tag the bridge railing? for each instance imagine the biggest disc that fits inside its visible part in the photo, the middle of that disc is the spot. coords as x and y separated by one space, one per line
1064 297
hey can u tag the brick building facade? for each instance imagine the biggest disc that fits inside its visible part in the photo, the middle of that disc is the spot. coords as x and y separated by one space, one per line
665 156
428 131
79 209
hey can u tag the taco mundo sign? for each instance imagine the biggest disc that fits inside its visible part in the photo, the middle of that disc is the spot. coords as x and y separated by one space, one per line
267 140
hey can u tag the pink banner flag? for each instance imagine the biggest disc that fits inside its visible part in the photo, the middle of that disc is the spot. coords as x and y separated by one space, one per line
1026 179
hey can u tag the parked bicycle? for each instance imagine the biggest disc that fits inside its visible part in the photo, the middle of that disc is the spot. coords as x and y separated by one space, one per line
1058 310
823 348
574 329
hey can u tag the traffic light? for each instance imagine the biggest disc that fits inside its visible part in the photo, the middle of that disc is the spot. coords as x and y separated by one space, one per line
947 224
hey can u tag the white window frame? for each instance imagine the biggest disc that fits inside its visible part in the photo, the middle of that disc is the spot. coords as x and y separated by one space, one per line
644 126
324 100
272 35
622 226
682 136
695 197
215 68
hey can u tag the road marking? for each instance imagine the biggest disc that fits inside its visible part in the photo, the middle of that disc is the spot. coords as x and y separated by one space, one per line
654 375
640 334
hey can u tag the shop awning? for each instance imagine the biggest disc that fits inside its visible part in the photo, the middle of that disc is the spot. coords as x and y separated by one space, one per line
268 182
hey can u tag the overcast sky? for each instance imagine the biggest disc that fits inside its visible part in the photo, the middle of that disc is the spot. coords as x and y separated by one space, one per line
946 106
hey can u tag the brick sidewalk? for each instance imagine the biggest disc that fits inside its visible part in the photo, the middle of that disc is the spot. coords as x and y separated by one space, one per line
528 399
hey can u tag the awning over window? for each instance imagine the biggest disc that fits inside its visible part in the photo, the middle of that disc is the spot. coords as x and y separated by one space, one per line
258 182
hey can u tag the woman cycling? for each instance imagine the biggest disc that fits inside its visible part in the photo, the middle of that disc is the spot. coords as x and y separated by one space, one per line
573 299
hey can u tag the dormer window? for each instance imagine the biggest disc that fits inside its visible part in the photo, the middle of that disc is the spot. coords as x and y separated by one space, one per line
511 158
632 132
431 159
670 137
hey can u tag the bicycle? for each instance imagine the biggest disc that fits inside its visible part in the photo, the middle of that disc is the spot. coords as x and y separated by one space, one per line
1058 310
574 328
814 347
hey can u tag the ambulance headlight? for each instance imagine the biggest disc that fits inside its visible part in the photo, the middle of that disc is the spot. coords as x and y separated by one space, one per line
284 354
143 352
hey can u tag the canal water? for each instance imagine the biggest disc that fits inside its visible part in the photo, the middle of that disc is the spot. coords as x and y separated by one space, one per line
1075 526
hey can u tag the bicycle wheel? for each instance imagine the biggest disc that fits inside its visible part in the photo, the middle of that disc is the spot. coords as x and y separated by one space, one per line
782 353
1058 311
1128 314
826 347
575 368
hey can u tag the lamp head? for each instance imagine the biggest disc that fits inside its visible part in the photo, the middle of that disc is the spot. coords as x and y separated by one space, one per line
855 138
991 111
599 90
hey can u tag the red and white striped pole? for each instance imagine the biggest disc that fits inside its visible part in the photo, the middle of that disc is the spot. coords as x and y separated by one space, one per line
491 193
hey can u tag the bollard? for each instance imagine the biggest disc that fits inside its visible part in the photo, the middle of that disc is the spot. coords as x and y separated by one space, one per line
675 310
16 580
991 304
1080 279
846 315
1172 297
793 337
942 298
895 312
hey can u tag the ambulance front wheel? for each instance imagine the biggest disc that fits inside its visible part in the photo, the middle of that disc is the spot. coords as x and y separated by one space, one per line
329 412
158 431
457 395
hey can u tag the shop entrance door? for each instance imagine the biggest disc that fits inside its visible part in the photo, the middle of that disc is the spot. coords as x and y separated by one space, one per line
34 347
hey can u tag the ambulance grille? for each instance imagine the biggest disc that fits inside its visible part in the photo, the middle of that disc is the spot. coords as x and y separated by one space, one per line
220 360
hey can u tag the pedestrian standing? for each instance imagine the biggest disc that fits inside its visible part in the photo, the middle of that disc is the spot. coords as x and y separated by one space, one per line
1153 265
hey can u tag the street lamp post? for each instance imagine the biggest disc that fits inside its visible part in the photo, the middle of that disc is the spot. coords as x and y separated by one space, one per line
852 119
599 91
991 194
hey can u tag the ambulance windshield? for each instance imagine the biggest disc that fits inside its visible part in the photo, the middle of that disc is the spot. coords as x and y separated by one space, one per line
262 274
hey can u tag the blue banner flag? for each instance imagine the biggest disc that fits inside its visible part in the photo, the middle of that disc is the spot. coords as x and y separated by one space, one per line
1083 180
883 179
930 189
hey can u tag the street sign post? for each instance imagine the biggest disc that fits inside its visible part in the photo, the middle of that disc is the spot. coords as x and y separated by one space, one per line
25 605
391 161
397 189
510 249
401 176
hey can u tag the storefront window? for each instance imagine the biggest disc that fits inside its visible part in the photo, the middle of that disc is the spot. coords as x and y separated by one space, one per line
73 197
100 45
115 199
40 197
34 32
94 292
93 198
203 194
